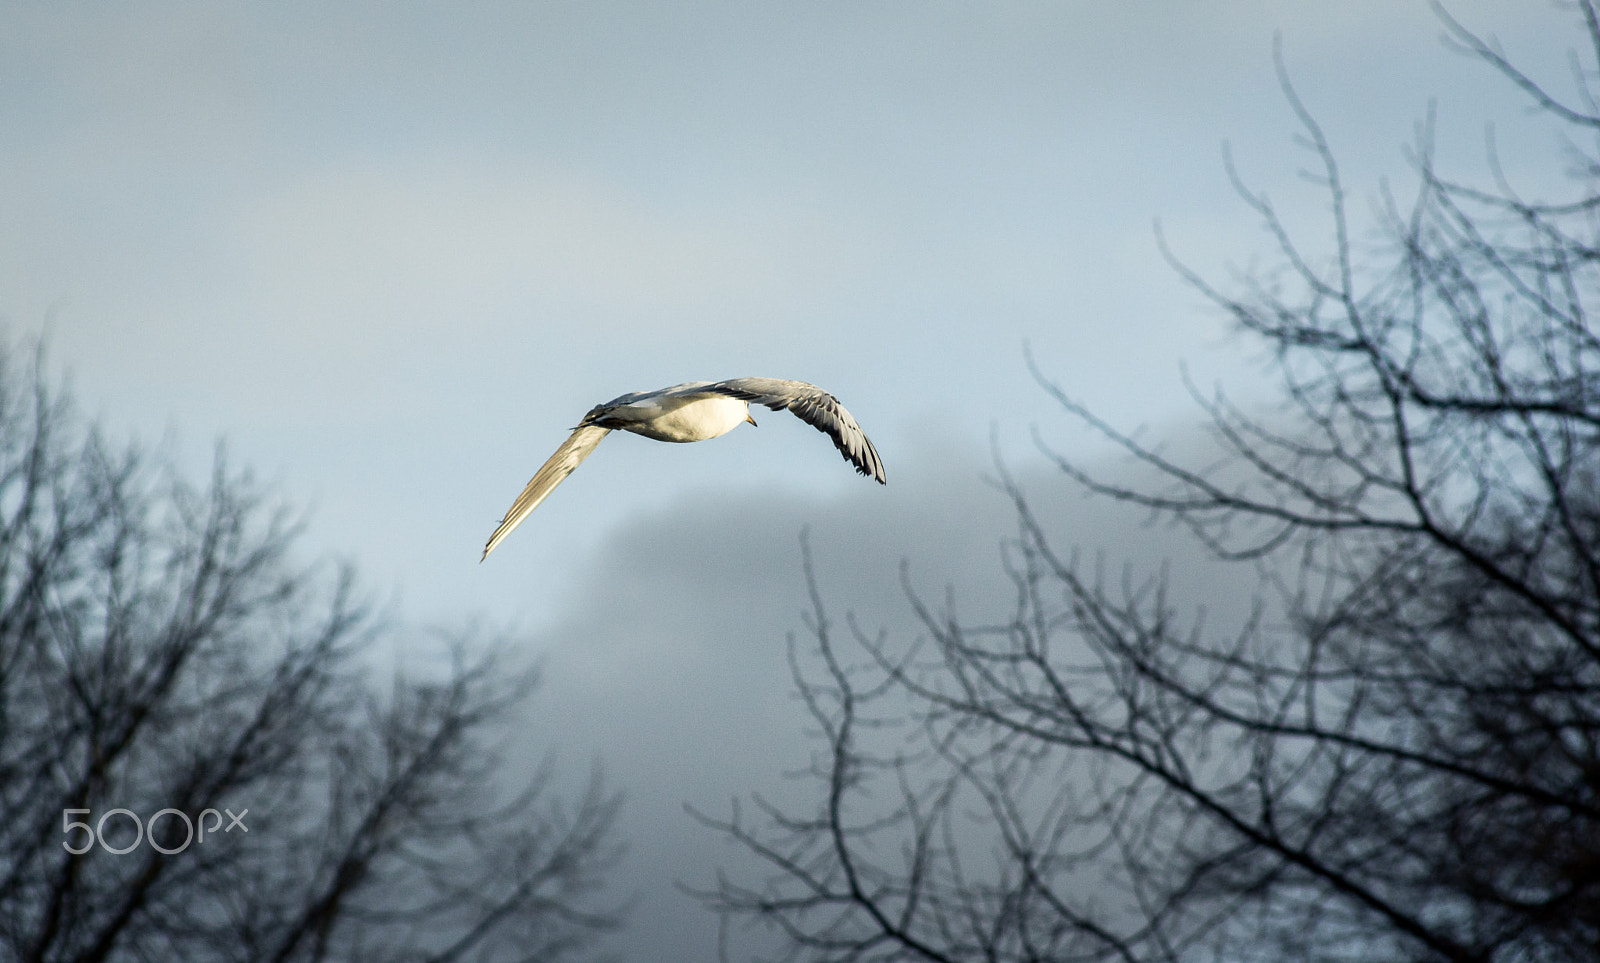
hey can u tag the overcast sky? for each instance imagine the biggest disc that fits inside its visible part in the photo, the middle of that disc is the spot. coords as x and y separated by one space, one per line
392 252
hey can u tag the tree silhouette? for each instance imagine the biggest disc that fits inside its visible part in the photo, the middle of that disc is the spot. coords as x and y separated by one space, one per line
1398 757
163 654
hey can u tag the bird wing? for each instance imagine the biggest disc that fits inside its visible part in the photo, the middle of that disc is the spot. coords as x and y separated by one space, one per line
687 389
813 406
572 452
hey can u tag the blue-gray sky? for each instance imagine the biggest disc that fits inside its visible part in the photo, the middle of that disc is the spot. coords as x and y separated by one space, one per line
392 252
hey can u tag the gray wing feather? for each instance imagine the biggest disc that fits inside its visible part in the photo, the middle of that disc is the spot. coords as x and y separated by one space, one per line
572 452
813 406
637 397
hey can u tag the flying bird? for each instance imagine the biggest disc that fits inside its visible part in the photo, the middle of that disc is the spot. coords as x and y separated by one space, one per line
693 411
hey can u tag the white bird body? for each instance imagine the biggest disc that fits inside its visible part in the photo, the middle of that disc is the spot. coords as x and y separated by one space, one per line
693 411
679 417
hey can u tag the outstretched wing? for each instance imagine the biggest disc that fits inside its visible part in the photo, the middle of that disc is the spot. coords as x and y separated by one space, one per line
574 450
813 406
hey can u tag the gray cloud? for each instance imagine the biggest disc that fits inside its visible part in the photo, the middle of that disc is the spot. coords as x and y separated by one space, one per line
668 658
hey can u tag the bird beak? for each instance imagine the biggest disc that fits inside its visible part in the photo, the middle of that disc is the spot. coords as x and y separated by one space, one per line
748 418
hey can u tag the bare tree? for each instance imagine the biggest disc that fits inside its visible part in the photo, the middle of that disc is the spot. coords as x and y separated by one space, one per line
195 763
1398 757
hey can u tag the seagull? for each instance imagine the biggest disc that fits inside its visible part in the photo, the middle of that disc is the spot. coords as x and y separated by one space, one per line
693 411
